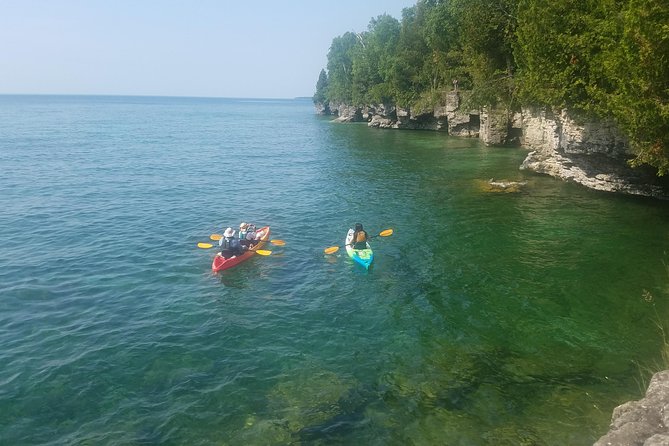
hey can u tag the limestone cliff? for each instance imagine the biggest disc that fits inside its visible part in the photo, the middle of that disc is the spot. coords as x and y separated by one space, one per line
590 153
593 154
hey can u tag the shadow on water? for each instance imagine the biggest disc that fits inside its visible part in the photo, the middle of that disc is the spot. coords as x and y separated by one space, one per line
243 275
231 279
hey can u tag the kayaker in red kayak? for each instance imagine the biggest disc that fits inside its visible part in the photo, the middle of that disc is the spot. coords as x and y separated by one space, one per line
221 263
247 235
230 247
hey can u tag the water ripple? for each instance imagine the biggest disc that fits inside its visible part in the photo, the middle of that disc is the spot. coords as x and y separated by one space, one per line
115 331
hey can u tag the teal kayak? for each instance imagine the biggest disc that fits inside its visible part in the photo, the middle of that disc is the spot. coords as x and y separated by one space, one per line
362 256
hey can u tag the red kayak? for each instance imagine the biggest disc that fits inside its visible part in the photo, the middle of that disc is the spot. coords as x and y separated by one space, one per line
221 263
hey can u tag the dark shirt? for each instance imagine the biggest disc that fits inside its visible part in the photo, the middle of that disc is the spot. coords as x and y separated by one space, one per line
230 247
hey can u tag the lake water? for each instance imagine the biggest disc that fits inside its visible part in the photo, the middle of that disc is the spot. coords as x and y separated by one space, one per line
486 319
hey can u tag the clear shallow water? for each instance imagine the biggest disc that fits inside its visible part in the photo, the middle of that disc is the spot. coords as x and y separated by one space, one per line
486 318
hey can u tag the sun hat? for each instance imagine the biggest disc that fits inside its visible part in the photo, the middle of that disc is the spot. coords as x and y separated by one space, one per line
229 233
243 225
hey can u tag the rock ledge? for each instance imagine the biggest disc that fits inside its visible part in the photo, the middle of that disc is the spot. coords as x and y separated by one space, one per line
643 422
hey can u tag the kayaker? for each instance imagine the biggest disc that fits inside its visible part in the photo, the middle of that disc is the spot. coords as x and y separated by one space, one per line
230 247
360 237
247 235
242 231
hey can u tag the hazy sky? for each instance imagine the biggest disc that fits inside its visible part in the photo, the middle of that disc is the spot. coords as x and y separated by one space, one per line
260 49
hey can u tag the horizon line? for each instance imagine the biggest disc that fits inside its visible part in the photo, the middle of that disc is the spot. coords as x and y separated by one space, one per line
158 96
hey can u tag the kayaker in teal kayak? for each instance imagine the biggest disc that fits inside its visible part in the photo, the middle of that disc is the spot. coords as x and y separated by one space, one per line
357 246
350 242
359 237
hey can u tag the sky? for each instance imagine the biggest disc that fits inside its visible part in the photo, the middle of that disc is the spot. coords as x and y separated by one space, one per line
224 48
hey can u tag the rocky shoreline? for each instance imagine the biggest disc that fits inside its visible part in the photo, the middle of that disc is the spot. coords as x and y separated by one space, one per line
644 422
593 154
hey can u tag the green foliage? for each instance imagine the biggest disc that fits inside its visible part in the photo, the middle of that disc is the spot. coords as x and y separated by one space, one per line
607 58
340 68
321 89
559 47
639 70
486 35
409 75
603 58
373 59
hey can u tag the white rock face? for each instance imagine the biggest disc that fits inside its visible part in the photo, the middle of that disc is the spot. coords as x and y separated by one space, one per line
592 153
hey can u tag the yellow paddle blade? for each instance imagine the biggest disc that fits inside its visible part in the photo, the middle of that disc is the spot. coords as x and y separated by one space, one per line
331 250
386 233
263 252
204 245
278 242
215 236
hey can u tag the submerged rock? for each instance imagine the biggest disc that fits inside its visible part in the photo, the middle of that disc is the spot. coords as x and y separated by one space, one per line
505 186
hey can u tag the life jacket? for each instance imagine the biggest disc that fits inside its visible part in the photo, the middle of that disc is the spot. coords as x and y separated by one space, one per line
360 237
360 240
248 234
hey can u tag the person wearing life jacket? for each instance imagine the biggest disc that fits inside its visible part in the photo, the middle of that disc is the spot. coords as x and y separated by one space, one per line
230 247
243 228
252 235
360 237
247 235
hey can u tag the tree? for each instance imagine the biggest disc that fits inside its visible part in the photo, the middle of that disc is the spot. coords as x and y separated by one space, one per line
486 36
558 49
640 73
372 61
442 38
320 97
340 67
406 75
608 59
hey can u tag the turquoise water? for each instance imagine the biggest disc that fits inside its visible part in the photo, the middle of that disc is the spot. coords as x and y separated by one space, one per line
486 318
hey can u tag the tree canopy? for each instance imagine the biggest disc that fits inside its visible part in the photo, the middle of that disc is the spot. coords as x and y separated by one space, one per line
607 59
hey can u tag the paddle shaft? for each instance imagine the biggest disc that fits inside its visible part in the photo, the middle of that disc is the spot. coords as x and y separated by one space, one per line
384 233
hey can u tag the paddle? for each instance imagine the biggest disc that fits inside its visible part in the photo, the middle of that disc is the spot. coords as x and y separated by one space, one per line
277 242
384 233
262 252
274 242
